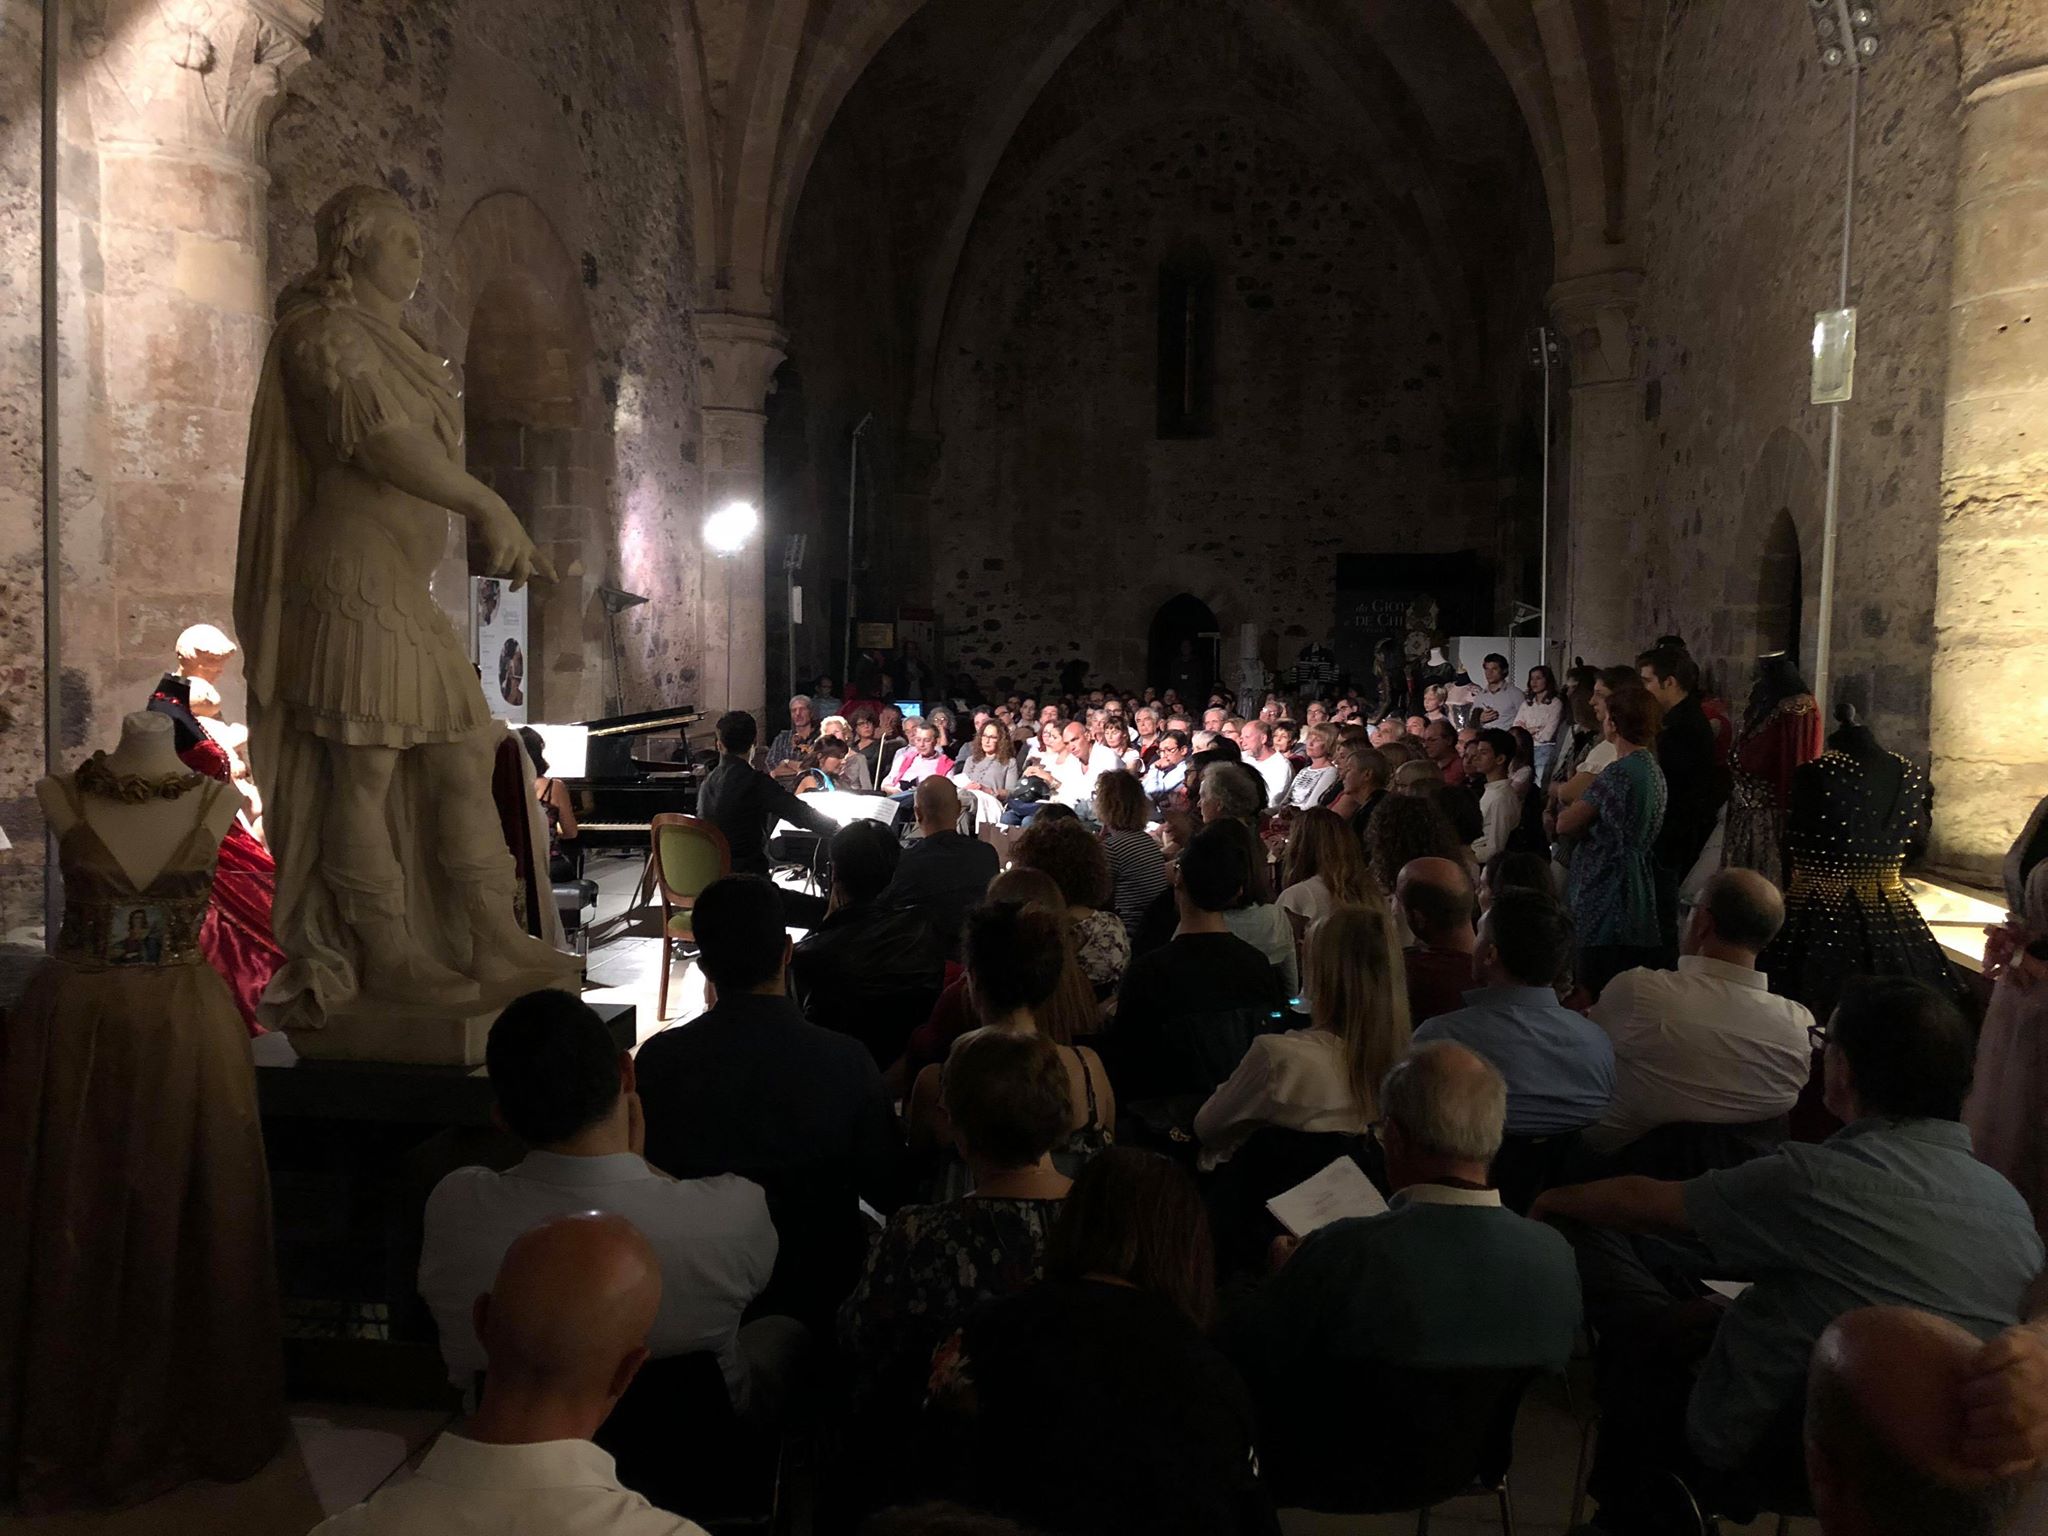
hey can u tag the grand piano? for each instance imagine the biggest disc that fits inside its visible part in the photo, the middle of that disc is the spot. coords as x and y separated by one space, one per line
630 768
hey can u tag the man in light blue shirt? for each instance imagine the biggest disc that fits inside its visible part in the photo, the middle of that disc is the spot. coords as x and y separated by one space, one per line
1559 1064
1892 1210
1170 769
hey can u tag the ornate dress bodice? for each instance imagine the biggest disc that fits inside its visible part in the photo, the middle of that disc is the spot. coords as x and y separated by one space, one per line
110 922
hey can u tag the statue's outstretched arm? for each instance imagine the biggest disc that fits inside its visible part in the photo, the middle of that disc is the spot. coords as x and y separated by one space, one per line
413 461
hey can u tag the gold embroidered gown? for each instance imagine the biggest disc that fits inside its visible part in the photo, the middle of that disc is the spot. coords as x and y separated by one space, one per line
139 1325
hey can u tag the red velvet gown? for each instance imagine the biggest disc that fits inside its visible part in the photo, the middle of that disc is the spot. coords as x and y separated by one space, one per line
235 936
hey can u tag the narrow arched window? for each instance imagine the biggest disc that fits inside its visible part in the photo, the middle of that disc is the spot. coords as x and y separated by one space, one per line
1187 345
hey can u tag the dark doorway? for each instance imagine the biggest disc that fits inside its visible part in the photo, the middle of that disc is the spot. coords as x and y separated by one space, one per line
1183 618
1781 589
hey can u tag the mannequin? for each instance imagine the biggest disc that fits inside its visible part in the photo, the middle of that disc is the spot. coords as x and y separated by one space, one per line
142 836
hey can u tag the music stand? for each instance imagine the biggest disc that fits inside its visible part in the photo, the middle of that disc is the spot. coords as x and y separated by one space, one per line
615 603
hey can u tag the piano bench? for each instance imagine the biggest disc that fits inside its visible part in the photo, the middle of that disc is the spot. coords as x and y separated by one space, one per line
576 900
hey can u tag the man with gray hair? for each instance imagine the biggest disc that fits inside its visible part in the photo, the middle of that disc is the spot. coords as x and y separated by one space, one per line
1708 1043
1448 1278
789 752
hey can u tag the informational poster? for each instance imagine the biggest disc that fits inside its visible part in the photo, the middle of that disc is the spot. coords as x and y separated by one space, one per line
501 657
1379 595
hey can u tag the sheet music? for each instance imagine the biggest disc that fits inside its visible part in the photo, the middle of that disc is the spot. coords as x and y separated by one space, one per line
1340 1190
845 806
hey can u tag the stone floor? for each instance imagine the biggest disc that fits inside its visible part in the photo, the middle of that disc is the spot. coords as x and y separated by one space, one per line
340 1453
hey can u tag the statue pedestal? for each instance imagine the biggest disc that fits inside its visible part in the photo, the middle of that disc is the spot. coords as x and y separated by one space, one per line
392 1032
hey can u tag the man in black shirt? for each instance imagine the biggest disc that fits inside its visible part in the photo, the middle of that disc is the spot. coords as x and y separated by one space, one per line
945 871
1696 783
743 803
751 1088
1188 1012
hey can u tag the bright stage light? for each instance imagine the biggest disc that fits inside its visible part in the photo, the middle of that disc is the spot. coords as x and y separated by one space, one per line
727 530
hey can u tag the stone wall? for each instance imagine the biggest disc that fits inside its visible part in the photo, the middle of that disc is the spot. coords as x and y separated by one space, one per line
21 588
1742 244
565 121
1060 520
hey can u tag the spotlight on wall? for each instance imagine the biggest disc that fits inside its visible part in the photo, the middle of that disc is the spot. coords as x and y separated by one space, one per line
727 530
1843 31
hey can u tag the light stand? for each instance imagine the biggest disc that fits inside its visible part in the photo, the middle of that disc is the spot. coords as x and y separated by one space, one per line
792 564
852 501
726 533
615 603
1543 353
1847 36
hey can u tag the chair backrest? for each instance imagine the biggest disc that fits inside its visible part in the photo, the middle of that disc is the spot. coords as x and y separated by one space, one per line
1371 1437
679 1445
1525 1166
688 855
1686 1149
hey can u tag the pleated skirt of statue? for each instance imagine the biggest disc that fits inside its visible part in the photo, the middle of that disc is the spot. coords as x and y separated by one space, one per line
139 1323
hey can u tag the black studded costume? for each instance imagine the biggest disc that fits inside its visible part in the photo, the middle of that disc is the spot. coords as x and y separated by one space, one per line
1855 810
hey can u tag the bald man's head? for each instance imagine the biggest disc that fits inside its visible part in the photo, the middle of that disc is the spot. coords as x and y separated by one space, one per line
937 804
1436 895
1884 1424
1738 908
569 1311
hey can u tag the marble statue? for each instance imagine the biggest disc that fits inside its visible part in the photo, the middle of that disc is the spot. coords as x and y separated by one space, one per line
370 738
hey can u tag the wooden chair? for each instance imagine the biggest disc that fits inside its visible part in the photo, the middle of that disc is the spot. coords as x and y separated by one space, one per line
684 856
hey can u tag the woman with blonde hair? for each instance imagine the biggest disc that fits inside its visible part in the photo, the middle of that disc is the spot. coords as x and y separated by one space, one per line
1326 1077
1324 868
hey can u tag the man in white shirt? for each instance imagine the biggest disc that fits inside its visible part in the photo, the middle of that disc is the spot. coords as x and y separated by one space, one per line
565 1328
1315 783
1487 761
1500 700
1707 1043
565 1089
1086 761
1255 741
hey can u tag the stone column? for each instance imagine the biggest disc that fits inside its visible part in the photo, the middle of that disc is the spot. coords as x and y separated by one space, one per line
1991 646
1595 318
739 355
178 95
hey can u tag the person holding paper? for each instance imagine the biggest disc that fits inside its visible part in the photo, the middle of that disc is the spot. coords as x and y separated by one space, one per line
1325 1077
1447 1279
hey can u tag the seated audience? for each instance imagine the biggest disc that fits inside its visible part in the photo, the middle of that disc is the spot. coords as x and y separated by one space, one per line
790 751
1325 1077
944 871
1440 747
1446 1279
1322 779
1188 1011
869 970
744 803
1255 918
924 757
751 1088
1137 865
1005 1096
1324 869
1255 741
1708 1043
1155 1427
1079 866
1885 1408
1232 791
993 767
1558 1064
1364 774
564 1330
834 765
566 1090
1892 1209
1403 829
1435 895
1168 768
1017 955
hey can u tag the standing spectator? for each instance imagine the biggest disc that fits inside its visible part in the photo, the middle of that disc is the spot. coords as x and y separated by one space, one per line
1499 701
1558 1064
1696 783
1543 716
1612 887
1487 761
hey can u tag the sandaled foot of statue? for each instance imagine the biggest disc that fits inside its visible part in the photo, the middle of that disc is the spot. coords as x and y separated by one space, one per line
394 967
504 957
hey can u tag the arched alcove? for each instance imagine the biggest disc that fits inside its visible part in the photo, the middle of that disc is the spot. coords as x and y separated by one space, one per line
1771 586
1183 617
539 434
1781 589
